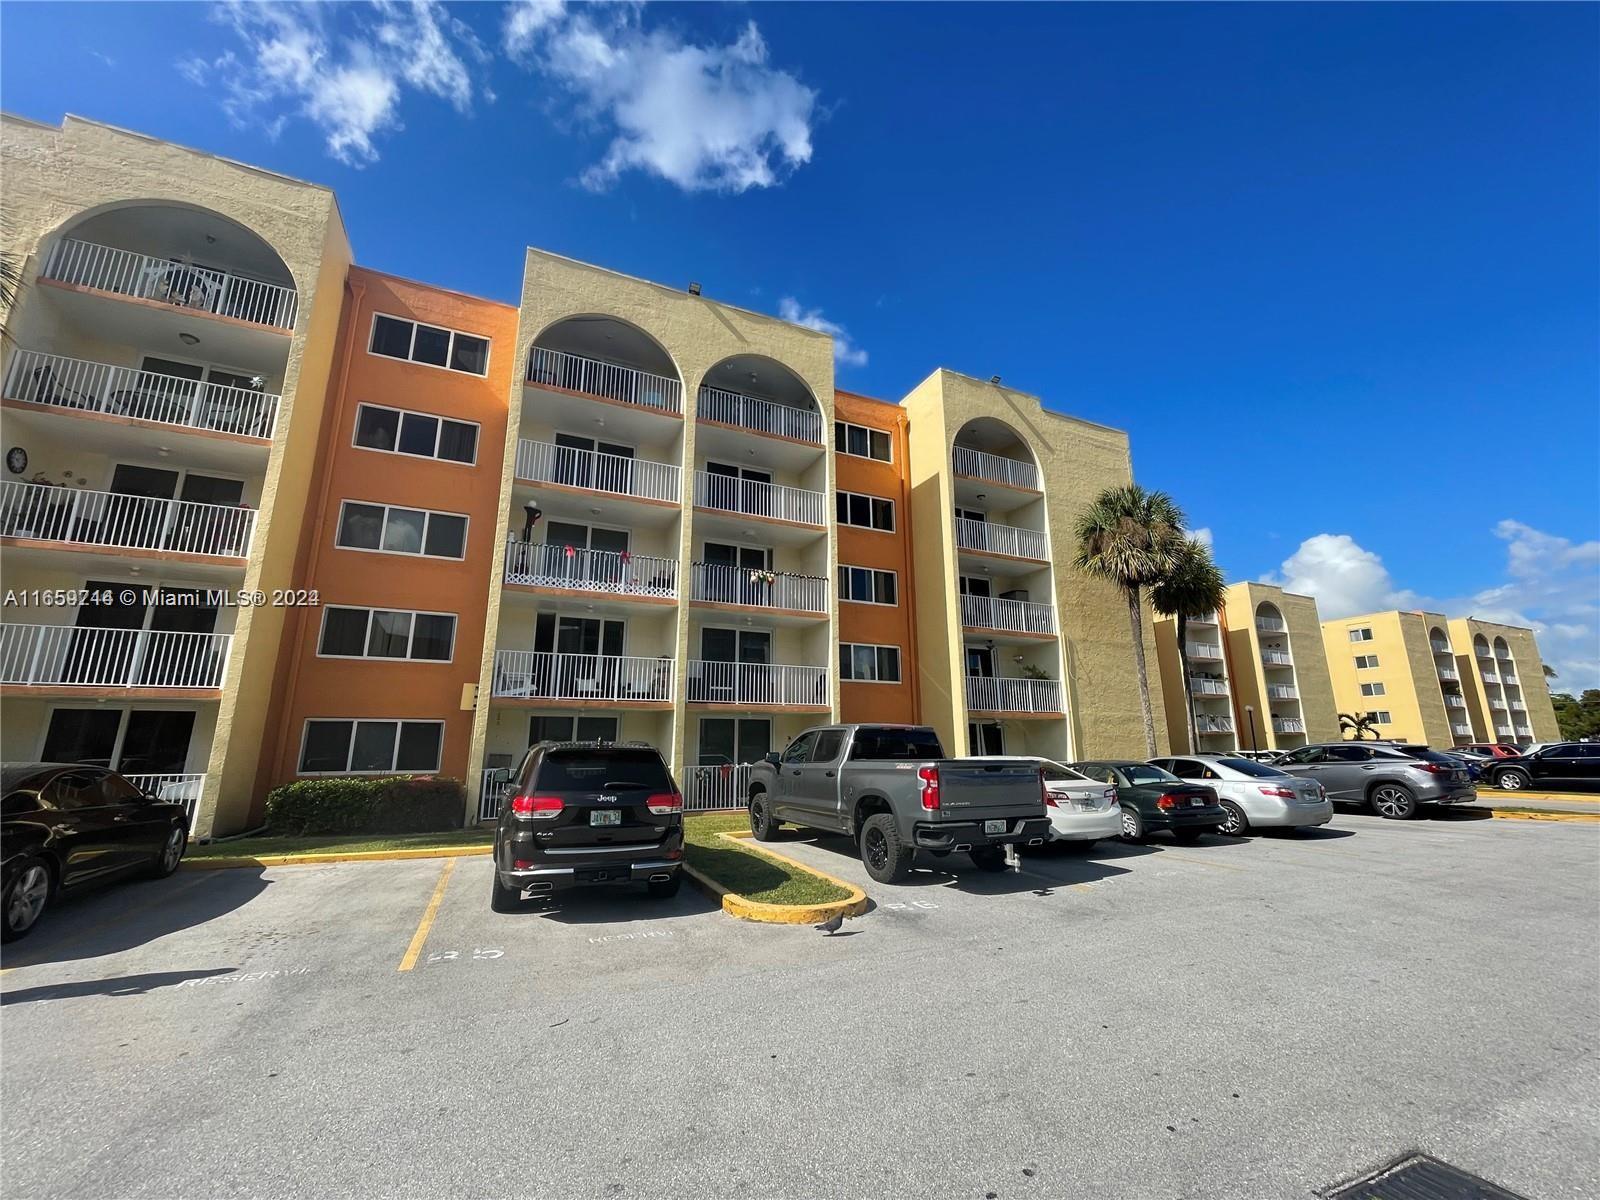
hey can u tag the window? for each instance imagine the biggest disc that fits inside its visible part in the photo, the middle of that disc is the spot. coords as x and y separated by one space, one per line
1381 718
350 747
799 750
1345 754
400 432
1361 635
862 442
868 585
1366 662
384 633
1372 689
895 743
826 747
868 512
392 530
869 664
394 337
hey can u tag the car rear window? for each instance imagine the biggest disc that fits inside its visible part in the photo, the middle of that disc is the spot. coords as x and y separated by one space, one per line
580 770
1138 773
1253 769
896 745
1428 755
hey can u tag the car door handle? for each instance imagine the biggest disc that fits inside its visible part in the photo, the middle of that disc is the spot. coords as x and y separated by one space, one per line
119 816
796 771
829 774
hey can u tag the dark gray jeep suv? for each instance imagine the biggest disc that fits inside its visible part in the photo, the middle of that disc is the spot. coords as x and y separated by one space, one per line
582 813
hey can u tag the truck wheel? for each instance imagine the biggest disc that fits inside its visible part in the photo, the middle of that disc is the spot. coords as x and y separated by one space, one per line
887 858
989 858
762 823
505 899
1511 780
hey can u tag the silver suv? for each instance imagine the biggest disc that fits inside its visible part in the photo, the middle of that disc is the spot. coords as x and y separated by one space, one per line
1394 784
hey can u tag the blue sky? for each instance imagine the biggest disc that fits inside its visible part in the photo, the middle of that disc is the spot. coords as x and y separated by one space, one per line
1334 267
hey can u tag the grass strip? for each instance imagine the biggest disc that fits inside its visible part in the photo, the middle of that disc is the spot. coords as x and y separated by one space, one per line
747 871
350 843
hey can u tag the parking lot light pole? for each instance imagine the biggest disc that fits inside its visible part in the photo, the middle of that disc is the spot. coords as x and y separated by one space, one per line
1250 715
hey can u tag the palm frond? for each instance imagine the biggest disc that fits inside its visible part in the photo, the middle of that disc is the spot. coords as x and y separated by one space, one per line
1193 587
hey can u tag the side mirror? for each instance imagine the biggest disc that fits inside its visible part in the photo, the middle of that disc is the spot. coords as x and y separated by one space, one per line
772 757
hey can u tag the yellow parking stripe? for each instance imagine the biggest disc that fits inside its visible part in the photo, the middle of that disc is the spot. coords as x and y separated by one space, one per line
1199 862
420 938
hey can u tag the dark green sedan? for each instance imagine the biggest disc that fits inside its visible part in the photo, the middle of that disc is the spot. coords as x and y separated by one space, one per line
1153 799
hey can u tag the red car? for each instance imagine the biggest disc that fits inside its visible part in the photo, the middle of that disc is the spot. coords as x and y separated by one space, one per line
1494 749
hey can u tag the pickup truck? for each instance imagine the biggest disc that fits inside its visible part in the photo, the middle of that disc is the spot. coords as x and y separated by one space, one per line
890 788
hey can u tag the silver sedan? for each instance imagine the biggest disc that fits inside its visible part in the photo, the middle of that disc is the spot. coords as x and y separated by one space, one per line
1253 794
1081 809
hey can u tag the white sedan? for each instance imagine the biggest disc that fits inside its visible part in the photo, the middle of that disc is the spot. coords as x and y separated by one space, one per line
1081 809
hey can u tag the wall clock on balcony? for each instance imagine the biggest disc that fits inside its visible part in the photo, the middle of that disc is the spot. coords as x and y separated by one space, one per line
16 460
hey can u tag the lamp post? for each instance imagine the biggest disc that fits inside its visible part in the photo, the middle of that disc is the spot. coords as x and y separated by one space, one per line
531 514
1250 715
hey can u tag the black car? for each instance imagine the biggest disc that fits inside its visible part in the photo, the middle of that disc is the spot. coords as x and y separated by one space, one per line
1154 799
65 825
577 814
1563 764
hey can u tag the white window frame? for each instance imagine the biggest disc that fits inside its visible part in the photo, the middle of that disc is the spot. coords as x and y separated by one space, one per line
355 432
1373 689
1366 662
1361 634
411 346
870 429
894 519
899 659
397 722
366 637
871 571
428 513
1382 718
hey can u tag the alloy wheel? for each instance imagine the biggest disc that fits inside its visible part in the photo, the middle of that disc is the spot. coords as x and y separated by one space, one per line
877 849
1233 825
28 899
1511 781
1130 825
173 852
1391 802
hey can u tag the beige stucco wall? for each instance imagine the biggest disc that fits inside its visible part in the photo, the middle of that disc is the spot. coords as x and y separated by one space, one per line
52 177
1412 695
1077 460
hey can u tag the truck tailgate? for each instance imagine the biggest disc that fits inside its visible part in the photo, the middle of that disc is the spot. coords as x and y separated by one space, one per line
974 790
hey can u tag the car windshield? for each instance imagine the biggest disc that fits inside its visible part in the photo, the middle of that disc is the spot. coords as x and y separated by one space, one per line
1137 773
1253 769
597 770
1056 773
907 744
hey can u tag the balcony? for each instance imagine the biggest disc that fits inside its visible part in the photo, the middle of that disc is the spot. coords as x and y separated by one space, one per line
1449 674
1212 725
1461 730
1009 616
1203 650
718 583
1288 725
1209 618
989 537
766 501
1502 730
603 380
590 470
1517 706
1277 658
1439 647
76 385
992 694
169 281
1498 704
571 569
1271 625
1507 678
1452 701
995 468
1199 686
67 656
765 684
760 416
595 678
1282 691
39 512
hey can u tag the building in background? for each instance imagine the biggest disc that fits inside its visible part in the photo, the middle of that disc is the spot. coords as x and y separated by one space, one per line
1503 678
1206 684
1279 684
1401 666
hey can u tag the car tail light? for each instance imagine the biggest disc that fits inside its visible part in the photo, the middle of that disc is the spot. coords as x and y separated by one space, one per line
929 778
522 864
1044 790
1282 793
540 808
1169 801
1431 768
665 804
1112 797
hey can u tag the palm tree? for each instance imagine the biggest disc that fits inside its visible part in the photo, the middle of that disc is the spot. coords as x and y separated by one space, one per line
1132 538
1193 588
1359 724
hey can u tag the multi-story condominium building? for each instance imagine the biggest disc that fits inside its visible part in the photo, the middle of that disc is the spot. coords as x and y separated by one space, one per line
1503 678
282 517
1205 684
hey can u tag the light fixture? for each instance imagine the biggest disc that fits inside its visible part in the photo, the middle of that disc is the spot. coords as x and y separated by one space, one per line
983 495
188 339
694 289
163 450
594 512
994 379
531 514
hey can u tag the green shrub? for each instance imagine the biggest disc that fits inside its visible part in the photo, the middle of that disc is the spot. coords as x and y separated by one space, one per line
387 804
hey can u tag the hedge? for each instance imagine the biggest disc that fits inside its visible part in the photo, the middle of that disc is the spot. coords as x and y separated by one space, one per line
388 804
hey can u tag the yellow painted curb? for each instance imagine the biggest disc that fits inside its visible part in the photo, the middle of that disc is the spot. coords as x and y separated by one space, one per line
308 860
1564 797
735 905
1505 814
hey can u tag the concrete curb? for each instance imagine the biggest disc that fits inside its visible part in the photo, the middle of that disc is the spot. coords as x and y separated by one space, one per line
735 905
312 860
1546 815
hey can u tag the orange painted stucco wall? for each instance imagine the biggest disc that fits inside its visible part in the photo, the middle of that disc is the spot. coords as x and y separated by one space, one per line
309 686
879 625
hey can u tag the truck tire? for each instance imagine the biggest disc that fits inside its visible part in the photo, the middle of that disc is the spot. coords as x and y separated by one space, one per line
887 857
762 823
989 858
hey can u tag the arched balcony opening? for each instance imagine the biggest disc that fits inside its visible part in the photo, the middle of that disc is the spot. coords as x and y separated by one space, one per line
760 395
604 358
1282 687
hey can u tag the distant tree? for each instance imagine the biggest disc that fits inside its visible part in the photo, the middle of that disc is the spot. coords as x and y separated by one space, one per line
1132 538
1578 718
1192 588
1358 725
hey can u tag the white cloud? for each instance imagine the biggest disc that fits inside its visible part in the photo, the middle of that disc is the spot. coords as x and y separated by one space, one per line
1201 535
845 352
345 68
704 118
1551 585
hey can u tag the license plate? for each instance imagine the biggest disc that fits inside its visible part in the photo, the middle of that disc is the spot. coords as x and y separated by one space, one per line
1085 805
605 816
1197 801
994 826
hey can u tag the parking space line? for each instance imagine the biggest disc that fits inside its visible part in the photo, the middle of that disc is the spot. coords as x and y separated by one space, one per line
119 916
420 938
1200 862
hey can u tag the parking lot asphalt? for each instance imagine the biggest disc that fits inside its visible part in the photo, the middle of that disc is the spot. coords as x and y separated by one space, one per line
1253 1019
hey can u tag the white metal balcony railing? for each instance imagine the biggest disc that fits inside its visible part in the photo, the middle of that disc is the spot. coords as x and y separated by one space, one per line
84 386
1014 616
538 564
173 282
1282 691
1508 679
1497 704
545 675
1449 673
979 464
174 789
756 683
760 416
996 694
1454 702
491 793
708 788
1503 730
1277 658
1288 725
1503 655
993 538
37 511
545 462
1440 647
1213 724
1517 706
1461 730
1207 687
719 583
1270 625
751 498
1205 650
1209 618
574 373
83 656
1484 653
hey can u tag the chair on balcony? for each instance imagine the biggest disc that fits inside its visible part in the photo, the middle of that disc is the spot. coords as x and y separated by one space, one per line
47 389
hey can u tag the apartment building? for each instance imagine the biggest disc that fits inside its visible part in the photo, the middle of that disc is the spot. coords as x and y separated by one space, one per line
1503 679
285 517
1199 678
1402 667
1279 685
